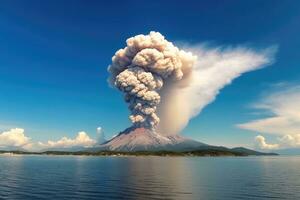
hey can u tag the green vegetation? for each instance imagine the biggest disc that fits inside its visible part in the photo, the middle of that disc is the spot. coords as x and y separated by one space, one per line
218 151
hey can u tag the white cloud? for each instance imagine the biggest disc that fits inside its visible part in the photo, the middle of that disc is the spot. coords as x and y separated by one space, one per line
99 129
261 142
81 140
100 136
290 140
278 125
285 120
14 138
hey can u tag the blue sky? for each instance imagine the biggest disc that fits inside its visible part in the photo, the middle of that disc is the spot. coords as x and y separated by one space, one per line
54 58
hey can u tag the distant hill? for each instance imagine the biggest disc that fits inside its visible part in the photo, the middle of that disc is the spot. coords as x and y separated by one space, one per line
289 151
141 141
208 151
250 152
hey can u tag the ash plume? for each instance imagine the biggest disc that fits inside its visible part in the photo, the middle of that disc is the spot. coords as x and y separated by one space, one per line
142 68
214 69
165 86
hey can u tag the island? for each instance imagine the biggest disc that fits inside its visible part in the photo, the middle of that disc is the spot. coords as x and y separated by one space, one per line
208 152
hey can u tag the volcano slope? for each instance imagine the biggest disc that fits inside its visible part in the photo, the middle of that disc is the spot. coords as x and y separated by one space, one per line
143 139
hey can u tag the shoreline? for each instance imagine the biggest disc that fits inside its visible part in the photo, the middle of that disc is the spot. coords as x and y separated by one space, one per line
201 153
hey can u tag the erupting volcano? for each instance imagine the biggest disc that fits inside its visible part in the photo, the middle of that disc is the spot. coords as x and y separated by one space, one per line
165 87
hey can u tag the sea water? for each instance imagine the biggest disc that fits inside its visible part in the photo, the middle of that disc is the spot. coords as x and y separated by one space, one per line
91 177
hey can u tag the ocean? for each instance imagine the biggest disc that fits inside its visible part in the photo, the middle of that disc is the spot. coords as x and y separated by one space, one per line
90 177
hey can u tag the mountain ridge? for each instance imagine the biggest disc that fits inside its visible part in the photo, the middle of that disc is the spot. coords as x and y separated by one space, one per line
145 140
142 141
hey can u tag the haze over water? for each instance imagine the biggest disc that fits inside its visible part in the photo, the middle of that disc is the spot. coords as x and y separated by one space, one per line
82 177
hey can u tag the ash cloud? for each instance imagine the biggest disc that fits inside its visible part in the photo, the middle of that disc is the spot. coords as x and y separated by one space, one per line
214 69
141 69
166 86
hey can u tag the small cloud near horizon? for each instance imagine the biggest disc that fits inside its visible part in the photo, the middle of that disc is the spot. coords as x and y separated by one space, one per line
283 104
15 138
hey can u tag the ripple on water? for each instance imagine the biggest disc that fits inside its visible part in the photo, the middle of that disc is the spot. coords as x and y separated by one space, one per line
58 177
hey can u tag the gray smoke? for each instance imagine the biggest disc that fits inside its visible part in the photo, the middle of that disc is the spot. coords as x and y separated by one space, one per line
142 68
165 87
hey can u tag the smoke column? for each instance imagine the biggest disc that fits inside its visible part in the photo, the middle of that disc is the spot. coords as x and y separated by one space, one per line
141 69
165 86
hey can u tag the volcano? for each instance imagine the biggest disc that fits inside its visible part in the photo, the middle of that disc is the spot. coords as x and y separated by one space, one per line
142 139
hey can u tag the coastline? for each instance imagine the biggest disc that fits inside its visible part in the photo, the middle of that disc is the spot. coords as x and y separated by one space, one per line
200 153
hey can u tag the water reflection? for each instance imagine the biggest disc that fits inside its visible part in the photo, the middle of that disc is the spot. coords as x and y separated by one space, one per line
156 177
70 177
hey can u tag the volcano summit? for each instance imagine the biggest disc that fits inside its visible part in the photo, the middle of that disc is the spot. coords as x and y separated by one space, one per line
142 139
